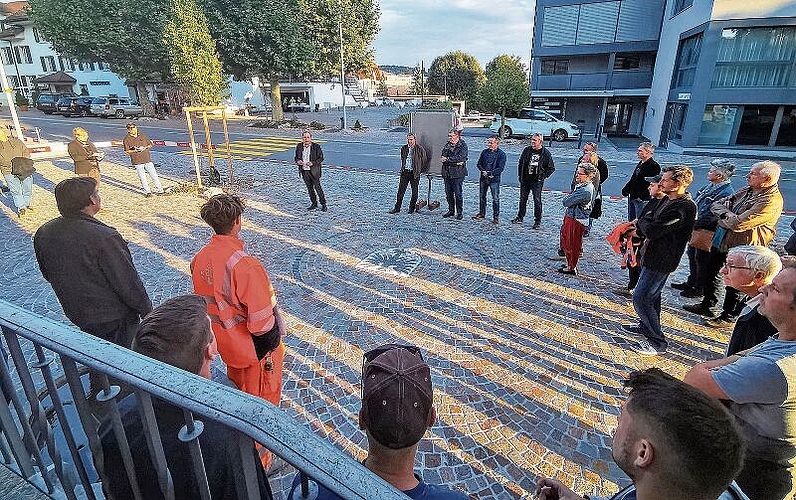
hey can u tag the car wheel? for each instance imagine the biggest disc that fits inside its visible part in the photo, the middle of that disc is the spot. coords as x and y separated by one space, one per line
119 113
504 131
83 113
560 135
48 112
66 115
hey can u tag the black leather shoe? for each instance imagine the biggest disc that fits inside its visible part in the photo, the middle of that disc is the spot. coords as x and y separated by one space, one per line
448 214
495 221
681 286
323 208
395 211
699 309
516 220
411 210
536 225
459 217
564 270
312 207
691 293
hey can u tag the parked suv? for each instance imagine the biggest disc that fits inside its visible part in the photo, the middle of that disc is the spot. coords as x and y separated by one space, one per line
48 102
531 121
115 106
80 105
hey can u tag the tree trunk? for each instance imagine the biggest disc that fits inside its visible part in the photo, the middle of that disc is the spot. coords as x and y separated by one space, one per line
276 100
143 99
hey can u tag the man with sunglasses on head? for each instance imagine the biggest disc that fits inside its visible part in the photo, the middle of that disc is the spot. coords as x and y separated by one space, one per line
138 146
397 409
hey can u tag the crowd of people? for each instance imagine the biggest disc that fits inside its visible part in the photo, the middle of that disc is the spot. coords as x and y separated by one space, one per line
729 419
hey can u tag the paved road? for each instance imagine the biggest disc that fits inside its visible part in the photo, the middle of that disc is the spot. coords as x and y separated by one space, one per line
526 362
379 151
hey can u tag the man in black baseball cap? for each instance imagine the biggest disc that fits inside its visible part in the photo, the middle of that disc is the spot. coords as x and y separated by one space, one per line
397 409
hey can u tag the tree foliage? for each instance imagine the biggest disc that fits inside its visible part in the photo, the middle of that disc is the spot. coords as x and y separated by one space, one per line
506 87
262 39
127 35
360 22
456 74
194 59
419 85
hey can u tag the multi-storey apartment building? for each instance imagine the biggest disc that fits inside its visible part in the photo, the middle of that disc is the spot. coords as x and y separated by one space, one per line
684 73
30 61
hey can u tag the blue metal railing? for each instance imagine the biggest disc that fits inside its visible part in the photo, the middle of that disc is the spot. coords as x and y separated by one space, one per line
49 435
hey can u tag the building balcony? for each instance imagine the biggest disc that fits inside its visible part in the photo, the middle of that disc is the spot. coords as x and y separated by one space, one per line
595 81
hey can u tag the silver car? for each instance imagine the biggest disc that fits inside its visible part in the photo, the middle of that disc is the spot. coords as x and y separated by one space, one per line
118 107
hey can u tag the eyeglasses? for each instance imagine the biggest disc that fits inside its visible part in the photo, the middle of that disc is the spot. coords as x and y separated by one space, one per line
732 266
369 356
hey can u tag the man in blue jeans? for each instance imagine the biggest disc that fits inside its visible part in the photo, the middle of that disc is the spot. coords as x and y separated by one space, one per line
667 229
491 164
454 169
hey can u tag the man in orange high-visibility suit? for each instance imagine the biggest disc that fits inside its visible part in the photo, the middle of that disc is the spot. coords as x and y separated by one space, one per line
241 304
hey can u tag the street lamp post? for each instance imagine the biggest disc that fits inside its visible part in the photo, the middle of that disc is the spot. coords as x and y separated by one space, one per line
342 72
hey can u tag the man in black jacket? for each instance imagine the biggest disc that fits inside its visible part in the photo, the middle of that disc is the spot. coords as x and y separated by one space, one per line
636 187
535 165
667 229
309 158
414 161
90 268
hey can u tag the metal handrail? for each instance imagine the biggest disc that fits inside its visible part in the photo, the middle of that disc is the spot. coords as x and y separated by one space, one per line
252 416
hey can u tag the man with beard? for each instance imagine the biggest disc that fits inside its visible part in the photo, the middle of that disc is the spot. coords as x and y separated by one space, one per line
672 440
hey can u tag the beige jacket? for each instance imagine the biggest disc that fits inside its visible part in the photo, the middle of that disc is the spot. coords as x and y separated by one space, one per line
750 217
9 150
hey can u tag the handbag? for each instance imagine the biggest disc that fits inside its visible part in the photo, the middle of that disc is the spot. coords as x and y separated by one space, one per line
701 239
22 167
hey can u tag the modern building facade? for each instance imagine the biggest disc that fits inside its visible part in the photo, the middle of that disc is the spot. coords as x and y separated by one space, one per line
726 76
683 73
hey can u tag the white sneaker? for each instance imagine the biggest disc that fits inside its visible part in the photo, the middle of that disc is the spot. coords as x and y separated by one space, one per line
646 349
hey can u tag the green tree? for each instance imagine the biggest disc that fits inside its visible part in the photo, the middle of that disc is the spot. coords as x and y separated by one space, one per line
194 60
113 31
419 85
506 87
360 23
456 74
263 39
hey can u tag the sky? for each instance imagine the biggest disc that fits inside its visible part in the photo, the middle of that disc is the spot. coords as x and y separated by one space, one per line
412 30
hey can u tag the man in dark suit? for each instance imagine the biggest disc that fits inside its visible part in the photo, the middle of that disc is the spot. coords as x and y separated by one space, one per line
309 158
747 269
636 187
414 161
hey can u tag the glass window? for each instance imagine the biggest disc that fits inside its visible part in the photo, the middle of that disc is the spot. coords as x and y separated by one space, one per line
756 125
627 61
718 123
7 55
687 58
555 66
679 112
681 5
766 56
37 35
23 54
787 129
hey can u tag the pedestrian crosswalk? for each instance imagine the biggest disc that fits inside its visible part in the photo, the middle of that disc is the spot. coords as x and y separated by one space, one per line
251 149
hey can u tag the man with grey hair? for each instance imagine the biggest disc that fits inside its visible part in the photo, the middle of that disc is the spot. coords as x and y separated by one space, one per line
718 187
757 387
636 188
667 229
535 165
749 217
747 269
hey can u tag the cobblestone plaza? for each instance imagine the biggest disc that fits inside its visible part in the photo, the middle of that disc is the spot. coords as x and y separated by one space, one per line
527 363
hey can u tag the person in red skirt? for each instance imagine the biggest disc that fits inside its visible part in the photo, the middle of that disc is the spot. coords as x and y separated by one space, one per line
578 205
